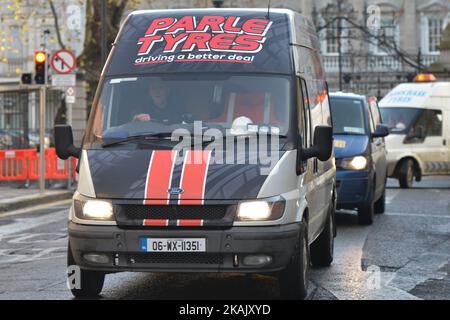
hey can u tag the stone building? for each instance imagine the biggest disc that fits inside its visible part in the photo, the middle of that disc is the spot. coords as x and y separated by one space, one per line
381 42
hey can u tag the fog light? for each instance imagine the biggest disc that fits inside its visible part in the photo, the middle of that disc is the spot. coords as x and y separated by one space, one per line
259 260
96 258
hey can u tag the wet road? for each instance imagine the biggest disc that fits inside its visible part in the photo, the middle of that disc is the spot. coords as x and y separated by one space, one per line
404 255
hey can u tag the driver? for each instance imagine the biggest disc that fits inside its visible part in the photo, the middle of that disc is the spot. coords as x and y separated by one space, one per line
159 106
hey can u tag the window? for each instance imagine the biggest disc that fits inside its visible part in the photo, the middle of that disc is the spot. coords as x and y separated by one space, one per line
434 34
160 104
303 114
332 37
375 112
347 115
429 122
388 33
399 120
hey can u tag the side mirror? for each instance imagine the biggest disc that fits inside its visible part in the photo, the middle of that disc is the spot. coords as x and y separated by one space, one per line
381 131
64 142
323 144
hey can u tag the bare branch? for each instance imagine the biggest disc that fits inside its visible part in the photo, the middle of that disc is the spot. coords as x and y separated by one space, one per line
55 17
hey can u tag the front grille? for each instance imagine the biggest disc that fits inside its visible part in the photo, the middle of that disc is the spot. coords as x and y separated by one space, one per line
176 258
173 212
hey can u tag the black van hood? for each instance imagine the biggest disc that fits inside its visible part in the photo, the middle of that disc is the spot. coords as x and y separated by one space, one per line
145 174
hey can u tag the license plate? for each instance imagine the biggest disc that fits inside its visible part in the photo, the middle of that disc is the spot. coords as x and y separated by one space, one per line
173 245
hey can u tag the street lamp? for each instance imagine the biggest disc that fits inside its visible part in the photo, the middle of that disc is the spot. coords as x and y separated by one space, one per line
217 3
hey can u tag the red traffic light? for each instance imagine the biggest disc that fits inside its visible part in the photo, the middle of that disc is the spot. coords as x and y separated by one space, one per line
40 56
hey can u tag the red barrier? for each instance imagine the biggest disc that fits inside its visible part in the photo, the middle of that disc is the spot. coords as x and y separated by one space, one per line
24 165
14 164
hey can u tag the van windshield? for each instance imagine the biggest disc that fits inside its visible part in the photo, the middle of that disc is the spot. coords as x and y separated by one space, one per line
399 120
347 116
161 104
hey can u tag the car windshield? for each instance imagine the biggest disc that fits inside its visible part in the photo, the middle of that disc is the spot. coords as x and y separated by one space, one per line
399 120
152 105
347 115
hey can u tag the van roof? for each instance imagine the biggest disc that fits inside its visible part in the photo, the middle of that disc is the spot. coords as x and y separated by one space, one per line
407 95
275 10
340 94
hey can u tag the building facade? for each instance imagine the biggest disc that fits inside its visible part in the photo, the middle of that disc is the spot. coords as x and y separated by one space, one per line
368 46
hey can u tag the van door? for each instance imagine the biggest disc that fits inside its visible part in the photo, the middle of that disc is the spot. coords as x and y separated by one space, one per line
427 138
378 150
446 140
311 165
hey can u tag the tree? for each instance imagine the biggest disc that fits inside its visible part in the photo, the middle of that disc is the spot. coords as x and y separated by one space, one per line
342 11
90 59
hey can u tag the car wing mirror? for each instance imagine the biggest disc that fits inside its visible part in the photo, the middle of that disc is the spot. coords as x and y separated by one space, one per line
64 142
381 131
323 144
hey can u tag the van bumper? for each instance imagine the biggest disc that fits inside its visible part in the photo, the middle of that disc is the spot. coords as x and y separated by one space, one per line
352 188
226 250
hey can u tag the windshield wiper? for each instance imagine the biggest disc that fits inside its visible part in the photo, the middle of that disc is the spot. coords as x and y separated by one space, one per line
144 137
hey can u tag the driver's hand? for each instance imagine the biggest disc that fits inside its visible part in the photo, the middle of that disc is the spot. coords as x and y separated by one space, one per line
142 117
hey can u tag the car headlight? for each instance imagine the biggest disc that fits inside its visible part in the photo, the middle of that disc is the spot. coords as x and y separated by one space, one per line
355 163
260 210
94 210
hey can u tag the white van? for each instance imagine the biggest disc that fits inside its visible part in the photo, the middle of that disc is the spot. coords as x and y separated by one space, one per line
418 115
228 75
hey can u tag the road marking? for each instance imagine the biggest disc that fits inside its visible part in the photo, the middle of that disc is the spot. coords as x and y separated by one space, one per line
23 224
417 215
344 278
391 196
35 208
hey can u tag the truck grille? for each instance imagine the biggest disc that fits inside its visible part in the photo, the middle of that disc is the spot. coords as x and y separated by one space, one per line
176 258
173 212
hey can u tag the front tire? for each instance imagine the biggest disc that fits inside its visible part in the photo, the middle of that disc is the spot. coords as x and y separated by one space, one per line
406 174
380 204
91 282
322 249
366 211
294 279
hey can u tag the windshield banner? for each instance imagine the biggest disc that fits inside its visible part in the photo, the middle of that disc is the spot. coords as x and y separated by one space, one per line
200 42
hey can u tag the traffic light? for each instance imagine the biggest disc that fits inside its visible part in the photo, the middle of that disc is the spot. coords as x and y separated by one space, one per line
40 58
26 78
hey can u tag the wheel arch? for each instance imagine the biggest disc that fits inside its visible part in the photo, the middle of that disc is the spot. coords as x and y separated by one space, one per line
417 166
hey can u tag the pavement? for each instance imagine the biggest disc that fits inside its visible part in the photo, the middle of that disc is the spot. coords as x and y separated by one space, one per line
13 198
404 255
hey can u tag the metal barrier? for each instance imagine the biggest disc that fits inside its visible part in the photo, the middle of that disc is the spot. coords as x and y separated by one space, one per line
16 165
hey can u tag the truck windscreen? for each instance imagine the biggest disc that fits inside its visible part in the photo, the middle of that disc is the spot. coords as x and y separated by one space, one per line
161 104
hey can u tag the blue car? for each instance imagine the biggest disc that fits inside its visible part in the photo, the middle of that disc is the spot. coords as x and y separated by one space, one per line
360 154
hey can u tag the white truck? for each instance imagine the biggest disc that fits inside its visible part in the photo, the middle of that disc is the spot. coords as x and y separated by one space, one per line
418 115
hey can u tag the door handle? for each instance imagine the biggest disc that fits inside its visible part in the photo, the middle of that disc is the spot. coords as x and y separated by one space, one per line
444 142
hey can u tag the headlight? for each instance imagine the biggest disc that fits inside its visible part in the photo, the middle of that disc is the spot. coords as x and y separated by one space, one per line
355 163
94 210
260 210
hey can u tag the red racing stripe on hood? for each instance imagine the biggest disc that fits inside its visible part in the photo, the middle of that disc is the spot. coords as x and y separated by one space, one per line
159 177
193 177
